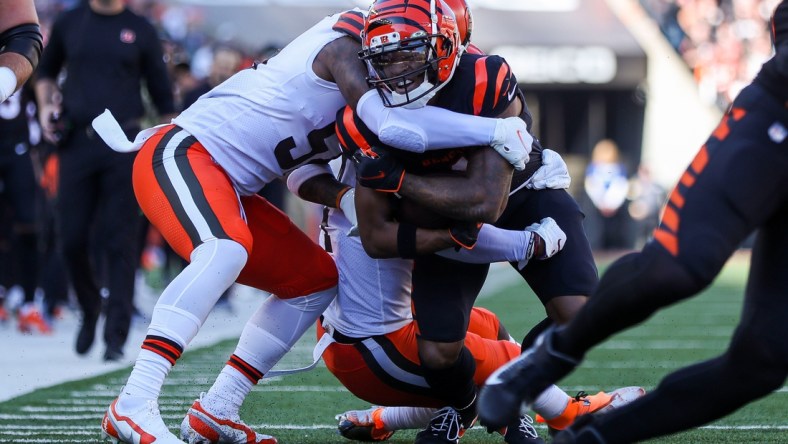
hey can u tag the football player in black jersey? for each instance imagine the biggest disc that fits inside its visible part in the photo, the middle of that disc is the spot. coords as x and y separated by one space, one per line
413 65
736 184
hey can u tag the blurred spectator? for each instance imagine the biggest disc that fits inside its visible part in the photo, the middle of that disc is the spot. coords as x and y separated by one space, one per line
646 198
724 42
18 184
107 52
606 186
226 61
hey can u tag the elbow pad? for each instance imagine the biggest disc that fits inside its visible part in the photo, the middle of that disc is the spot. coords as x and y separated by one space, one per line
25 40
300 175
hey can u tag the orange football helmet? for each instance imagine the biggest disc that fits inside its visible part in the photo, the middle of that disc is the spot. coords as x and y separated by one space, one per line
411 49
464 19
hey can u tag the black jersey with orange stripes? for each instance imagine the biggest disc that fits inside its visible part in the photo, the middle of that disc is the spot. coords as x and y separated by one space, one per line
350 23
482 85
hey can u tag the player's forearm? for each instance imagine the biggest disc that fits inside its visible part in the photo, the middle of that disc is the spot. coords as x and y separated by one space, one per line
388 241
323 189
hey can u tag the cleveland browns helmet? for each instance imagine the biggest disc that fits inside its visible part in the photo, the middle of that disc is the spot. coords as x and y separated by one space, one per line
411 48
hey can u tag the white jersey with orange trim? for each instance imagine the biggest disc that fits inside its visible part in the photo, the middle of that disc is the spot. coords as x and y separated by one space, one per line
373 296
264 122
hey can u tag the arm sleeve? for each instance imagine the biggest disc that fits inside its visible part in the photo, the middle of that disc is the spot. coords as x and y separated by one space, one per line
301 174
493 245
428 128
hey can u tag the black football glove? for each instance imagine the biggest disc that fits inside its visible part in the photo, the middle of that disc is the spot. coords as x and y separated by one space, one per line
465 234
379 169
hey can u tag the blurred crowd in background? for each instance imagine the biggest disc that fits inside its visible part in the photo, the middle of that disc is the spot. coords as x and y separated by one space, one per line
723 43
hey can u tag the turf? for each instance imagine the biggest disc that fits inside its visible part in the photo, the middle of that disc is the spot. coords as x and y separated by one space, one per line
300 408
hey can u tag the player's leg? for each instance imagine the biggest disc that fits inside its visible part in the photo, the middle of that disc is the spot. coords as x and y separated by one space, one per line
443 295
193 204
707 217
563 282
755 364
302 278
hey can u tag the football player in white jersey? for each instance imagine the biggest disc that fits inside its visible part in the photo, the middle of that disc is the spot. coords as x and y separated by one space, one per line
196 180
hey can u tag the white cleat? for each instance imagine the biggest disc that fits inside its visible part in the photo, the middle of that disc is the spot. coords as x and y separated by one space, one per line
201 427
143 426
621 397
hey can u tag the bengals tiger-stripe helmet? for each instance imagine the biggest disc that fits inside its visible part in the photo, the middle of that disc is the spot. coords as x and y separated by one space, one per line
464 19
411 48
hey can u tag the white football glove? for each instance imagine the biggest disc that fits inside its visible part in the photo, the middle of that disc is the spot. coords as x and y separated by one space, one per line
553 236
512 141
7 83
348 206
553 173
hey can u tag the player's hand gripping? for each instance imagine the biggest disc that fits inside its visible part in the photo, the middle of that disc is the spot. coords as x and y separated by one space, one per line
465 234
547 239
379 169
512 141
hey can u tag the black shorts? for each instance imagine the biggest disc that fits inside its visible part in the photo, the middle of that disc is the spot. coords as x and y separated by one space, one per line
445 290
572 271
443 295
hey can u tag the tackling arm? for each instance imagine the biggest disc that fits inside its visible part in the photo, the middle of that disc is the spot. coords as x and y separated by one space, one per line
416 129
383 237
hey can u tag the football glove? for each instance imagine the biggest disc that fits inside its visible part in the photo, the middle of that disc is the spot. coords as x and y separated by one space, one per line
465 234
546 233
553 173
379 169
513 141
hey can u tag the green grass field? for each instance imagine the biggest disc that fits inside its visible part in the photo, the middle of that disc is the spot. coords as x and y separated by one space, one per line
300 409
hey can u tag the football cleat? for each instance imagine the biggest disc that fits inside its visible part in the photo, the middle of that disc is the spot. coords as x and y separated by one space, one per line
444 427
363 425
201 427
508 391
522 432
143 426
30 319
584 404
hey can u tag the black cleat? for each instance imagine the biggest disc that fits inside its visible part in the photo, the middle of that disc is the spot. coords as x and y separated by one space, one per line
514 386
444 428
522 431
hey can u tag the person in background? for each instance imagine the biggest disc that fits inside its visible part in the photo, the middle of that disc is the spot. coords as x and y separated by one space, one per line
606 185
108 52
18 184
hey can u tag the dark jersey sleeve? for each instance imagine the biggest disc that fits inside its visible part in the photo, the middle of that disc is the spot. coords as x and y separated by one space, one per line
352 133
482 85
350 23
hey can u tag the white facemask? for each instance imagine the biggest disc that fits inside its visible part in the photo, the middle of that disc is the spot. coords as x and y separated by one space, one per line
399 99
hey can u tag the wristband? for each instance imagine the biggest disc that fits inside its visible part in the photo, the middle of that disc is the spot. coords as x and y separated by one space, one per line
406 240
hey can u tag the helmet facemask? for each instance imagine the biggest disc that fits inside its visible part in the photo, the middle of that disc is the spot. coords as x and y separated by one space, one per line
399 53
